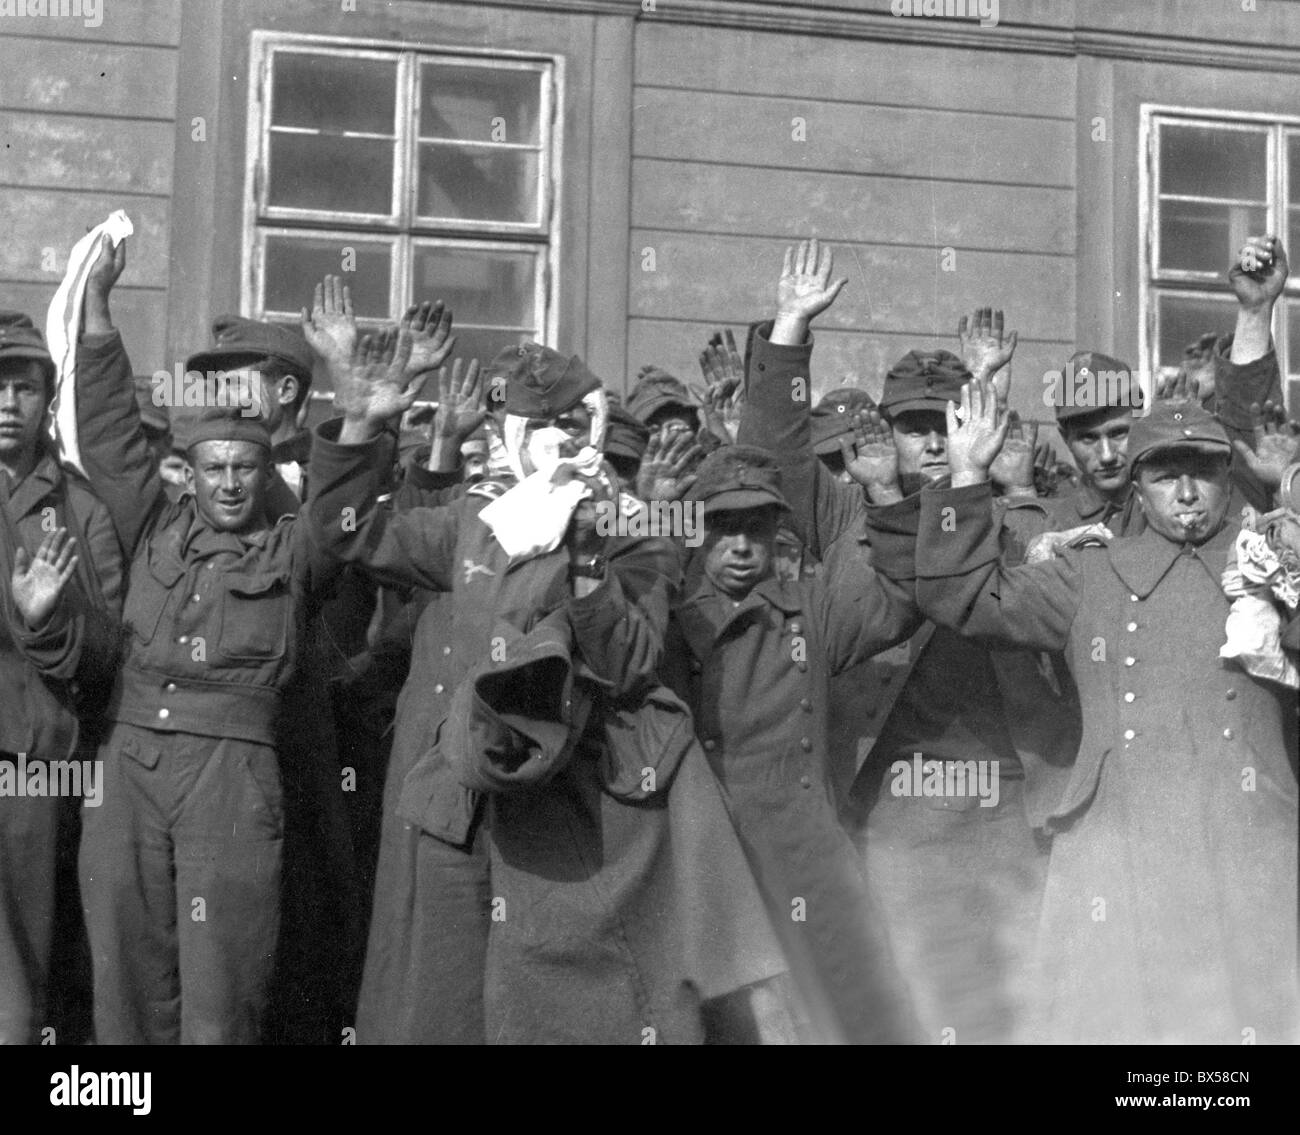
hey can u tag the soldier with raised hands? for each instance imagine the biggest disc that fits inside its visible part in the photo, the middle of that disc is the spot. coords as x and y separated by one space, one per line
1169 914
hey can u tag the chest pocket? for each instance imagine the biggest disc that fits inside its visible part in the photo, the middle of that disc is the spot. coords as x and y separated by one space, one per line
254 616
148 592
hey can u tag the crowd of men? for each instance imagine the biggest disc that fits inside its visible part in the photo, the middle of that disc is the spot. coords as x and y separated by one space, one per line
501 709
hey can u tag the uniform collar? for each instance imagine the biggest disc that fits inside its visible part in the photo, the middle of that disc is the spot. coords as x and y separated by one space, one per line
707 614
35 487
201 539
1092 507
1142 561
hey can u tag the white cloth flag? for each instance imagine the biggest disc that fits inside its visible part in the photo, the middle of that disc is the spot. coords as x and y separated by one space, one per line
62 324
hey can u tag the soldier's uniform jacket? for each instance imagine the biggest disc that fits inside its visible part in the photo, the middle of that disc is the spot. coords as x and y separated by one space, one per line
602 892
1180 814
213 620
1038 702
50 674
756 674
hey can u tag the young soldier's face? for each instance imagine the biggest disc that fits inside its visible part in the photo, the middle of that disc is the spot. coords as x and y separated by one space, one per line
22 407
1184 493
921 437
548 440
1099 445
739 548
230 479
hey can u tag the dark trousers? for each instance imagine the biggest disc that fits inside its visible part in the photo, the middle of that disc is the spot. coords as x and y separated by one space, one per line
28 855
180 882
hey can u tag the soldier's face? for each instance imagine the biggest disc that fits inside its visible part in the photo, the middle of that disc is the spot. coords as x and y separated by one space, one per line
550 440
1184 493
22 408
921 437
1099 445
230 479
739 548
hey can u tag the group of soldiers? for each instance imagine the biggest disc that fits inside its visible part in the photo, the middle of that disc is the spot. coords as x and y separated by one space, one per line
720 715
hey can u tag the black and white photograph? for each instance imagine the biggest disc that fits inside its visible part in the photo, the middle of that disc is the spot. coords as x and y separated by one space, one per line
650 522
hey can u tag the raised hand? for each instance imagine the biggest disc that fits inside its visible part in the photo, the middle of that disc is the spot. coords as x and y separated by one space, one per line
104 273
431 338
461 409
331 326
1013 468
376 385
976 432
986 350
664 469
722 366
804 290
1260 273
1179 386
1277 444
871 458
38 581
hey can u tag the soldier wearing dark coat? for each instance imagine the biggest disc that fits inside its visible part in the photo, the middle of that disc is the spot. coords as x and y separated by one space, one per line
1170 909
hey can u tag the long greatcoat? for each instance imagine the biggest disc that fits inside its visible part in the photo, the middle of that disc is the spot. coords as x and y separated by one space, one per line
610 919
1170 910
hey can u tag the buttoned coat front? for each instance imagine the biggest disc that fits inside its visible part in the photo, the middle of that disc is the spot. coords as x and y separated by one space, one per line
1170 910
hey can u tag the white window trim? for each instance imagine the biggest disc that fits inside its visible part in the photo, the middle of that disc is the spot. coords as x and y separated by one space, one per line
1148 180
257 119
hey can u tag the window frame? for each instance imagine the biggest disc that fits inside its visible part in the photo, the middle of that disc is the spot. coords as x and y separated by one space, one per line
403 228
1154 282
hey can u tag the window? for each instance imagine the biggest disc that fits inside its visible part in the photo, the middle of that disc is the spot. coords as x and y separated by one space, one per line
1213 180
412 174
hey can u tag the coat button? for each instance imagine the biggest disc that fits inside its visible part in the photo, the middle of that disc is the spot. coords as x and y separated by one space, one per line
1132 626
1130 696
1132 598
164 714
196 598
795 628
710 745
183 639
1227 734
805 744
1230 694
438 688
1129 734
805 705
171 687
446 650
1130 661
805 781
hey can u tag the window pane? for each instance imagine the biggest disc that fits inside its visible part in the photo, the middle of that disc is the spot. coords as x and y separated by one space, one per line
462 102
333 93
1293 163
1205 161
484 343
1184 319
1205 238
473 183
481 286
295 265
315 171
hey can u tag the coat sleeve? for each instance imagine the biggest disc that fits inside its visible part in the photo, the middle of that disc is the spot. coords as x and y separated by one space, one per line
619 628
862 612
348 523
777 418
116 456
963 583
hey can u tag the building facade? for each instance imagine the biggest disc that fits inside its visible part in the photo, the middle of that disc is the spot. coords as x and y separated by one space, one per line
619 177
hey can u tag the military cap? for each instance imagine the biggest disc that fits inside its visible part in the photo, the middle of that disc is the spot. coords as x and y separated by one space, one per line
624 435
154 417
21 339
832 418
540 382
1176 424
239 341
923 380
219 423
1092 381
737 477
656 390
